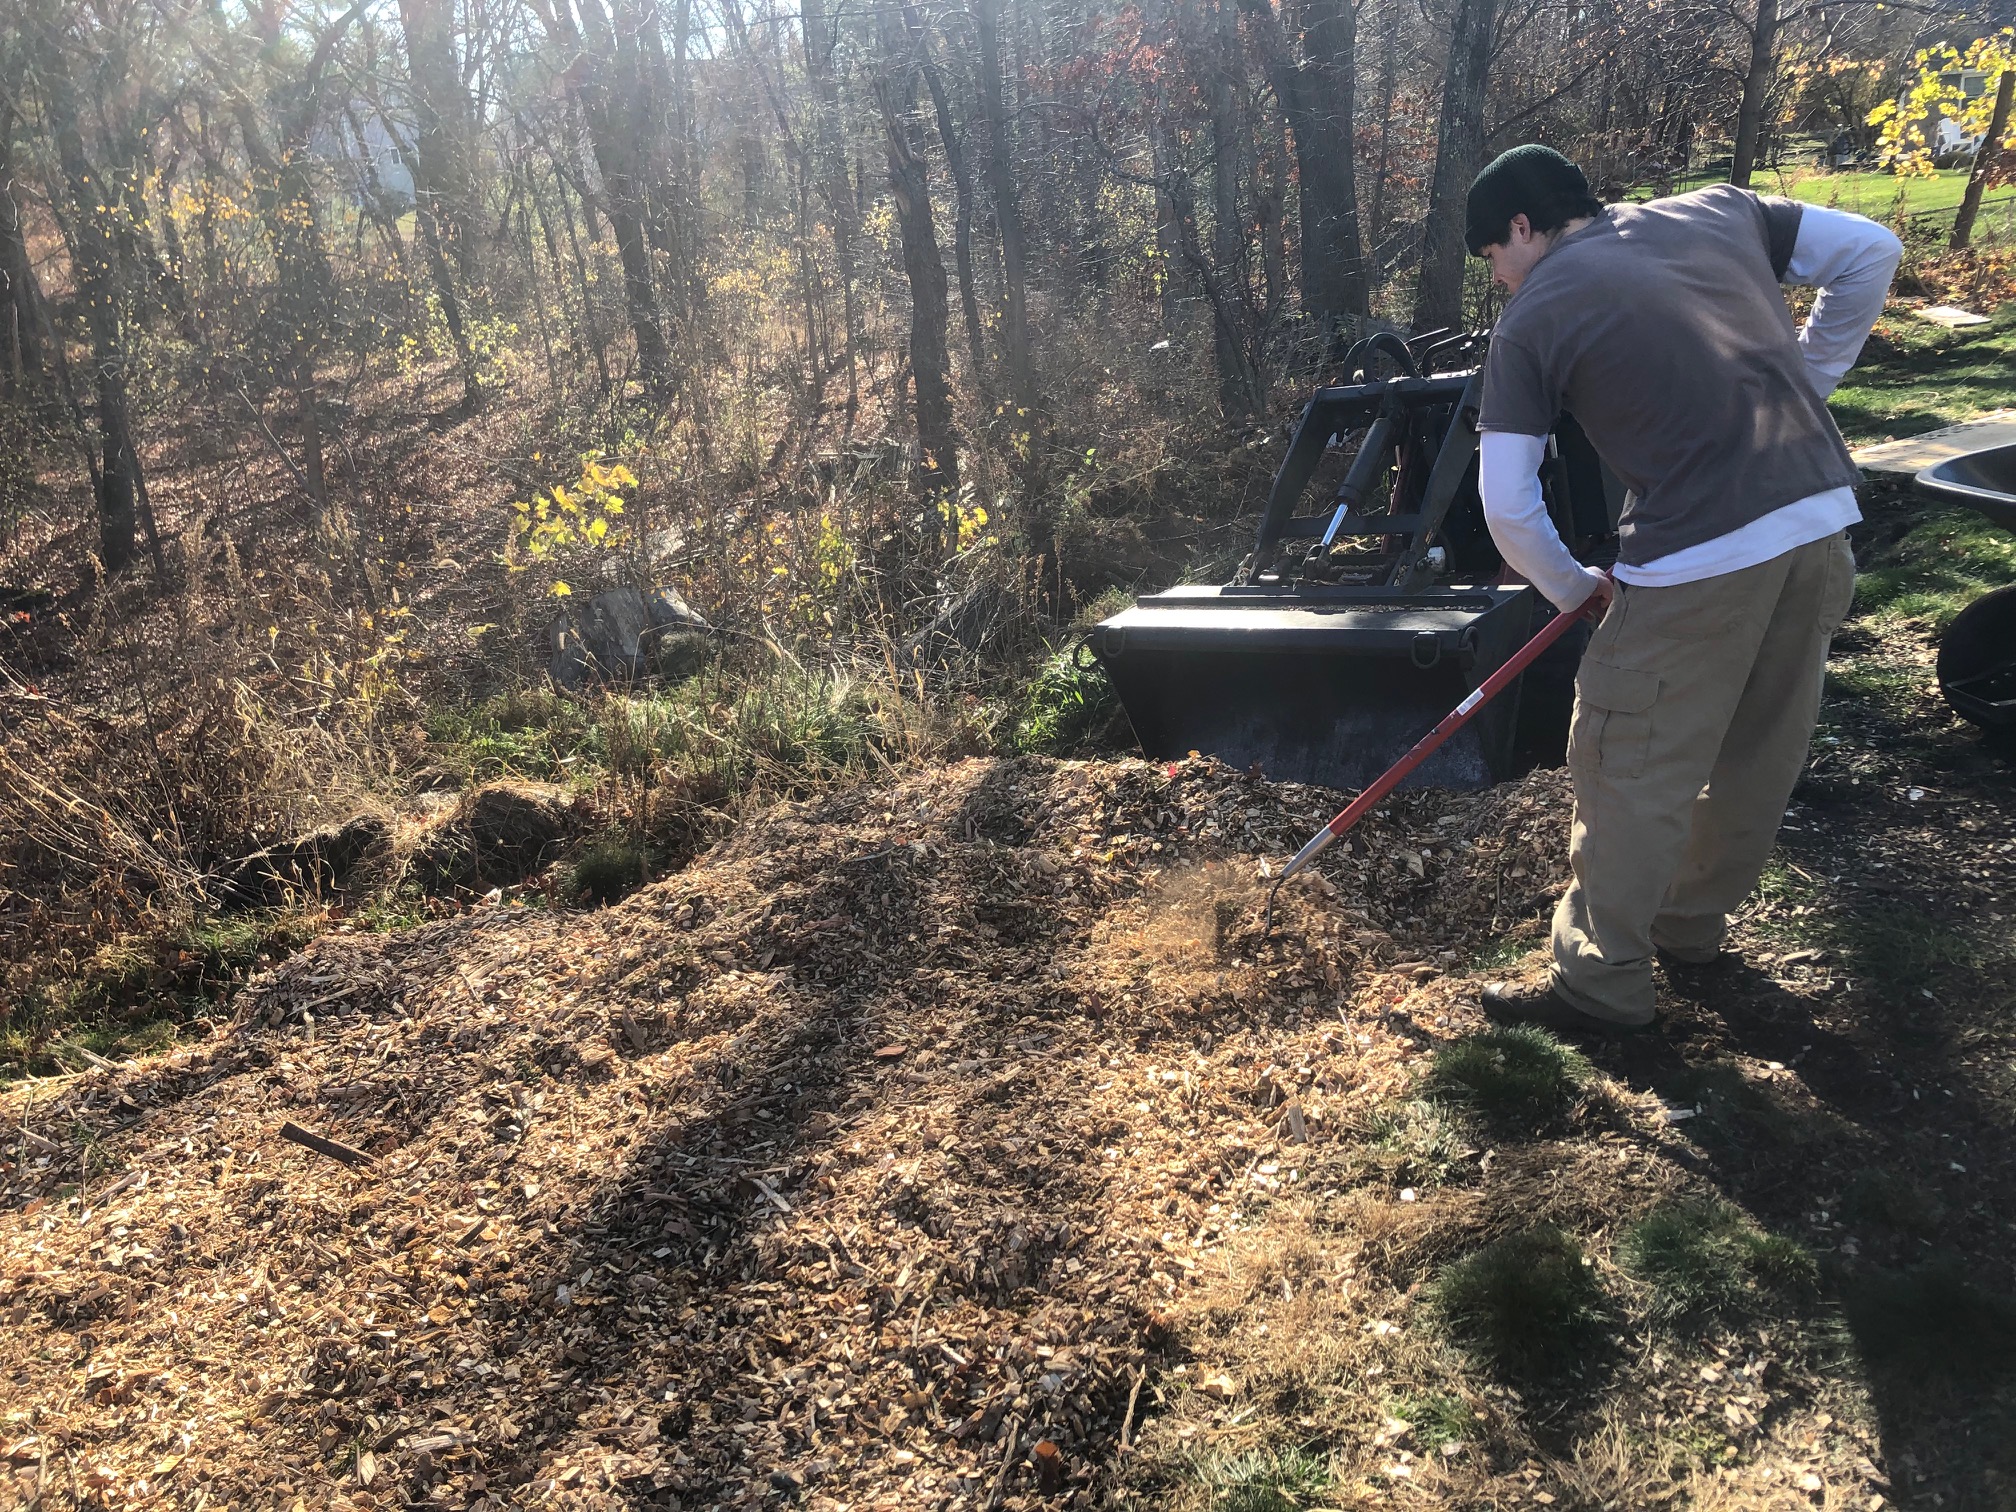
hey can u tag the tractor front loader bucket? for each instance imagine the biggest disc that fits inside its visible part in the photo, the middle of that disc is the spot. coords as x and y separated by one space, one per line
1328 687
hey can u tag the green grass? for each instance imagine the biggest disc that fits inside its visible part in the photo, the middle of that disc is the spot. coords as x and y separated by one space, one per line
1527 1304
1894 1200
1264 1480
787 720
1705 1260
1914 377
1878 195
1436 1417
1522 1075
1937 569
1417 1143
607 870
136 996
1501 952
1876 680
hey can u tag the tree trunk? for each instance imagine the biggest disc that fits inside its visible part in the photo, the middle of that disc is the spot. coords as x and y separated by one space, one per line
829 147
1756 87
1007 210
1985 158
116 467
441 155
1317 96
615 113
962 226
1236 394
896 93
1389 83
1170 267
443 190
1459 145
20 319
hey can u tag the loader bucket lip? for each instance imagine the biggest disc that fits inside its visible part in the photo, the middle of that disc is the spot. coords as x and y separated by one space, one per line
1362 622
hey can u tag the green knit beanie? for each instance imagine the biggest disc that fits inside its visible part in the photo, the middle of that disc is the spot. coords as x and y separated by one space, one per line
1533 181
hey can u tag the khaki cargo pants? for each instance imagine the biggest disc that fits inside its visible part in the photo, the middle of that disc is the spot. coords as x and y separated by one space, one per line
1694 709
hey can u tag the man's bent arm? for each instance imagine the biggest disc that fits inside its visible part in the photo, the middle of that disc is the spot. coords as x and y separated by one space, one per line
1851 260
1509 477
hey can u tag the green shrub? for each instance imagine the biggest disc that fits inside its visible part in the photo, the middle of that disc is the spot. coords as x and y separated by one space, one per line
1704 1259
1064 706
1527 1304
1520 1074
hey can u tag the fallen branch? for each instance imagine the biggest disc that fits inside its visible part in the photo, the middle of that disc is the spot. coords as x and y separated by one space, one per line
335 1149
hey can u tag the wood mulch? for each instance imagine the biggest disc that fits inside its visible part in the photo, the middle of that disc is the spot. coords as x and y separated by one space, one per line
856 1165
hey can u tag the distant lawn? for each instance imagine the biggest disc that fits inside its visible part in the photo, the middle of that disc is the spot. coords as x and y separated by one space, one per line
1870 193
1875 194
1914 377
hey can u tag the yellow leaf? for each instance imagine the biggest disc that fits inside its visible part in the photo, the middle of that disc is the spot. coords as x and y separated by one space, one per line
561 590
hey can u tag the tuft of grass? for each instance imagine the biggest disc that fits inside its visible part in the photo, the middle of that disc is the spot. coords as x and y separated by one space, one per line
1501 952
1893 1200
1520 1074
1417 1143
1931 1323
1528 1304
1264 1480
607 870
1437 1417
1741 1111
1894 690
1704 1260
1891 946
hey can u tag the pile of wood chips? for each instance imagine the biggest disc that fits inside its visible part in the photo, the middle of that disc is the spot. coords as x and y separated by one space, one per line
854 1166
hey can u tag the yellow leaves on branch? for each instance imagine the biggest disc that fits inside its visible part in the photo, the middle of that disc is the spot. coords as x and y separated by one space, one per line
1908 134
585 514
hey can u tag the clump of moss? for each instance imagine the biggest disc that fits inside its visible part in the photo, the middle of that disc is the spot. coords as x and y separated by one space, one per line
1528 1304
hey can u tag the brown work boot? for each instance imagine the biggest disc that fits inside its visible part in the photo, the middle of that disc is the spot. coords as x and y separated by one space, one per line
1538 1003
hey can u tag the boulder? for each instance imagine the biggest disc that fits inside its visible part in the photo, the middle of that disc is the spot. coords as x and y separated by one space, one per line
624 634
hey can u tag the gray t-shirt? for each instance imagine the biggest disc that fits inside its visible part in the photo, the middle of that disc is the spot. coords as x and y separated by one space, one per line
1661 328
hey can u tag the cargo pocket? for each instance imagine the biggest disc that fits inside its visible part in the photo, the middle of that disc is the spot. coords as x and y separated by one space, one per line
1613 719
1839 595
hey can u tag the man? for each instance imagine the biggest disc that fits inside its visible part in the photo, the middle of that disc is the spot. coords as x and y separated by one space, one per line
1661 328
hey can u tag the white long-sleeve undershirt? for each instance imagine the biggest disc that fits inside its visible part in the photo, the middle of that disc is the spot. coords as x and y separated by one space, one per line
1850 259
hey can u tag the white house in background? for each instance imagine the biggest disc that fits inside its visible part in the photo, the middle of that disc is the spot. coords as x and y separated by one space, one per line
376 159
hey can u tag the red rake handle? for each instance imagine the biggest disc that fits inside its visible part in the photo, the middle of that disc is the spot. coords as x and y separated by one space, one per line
1456 718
